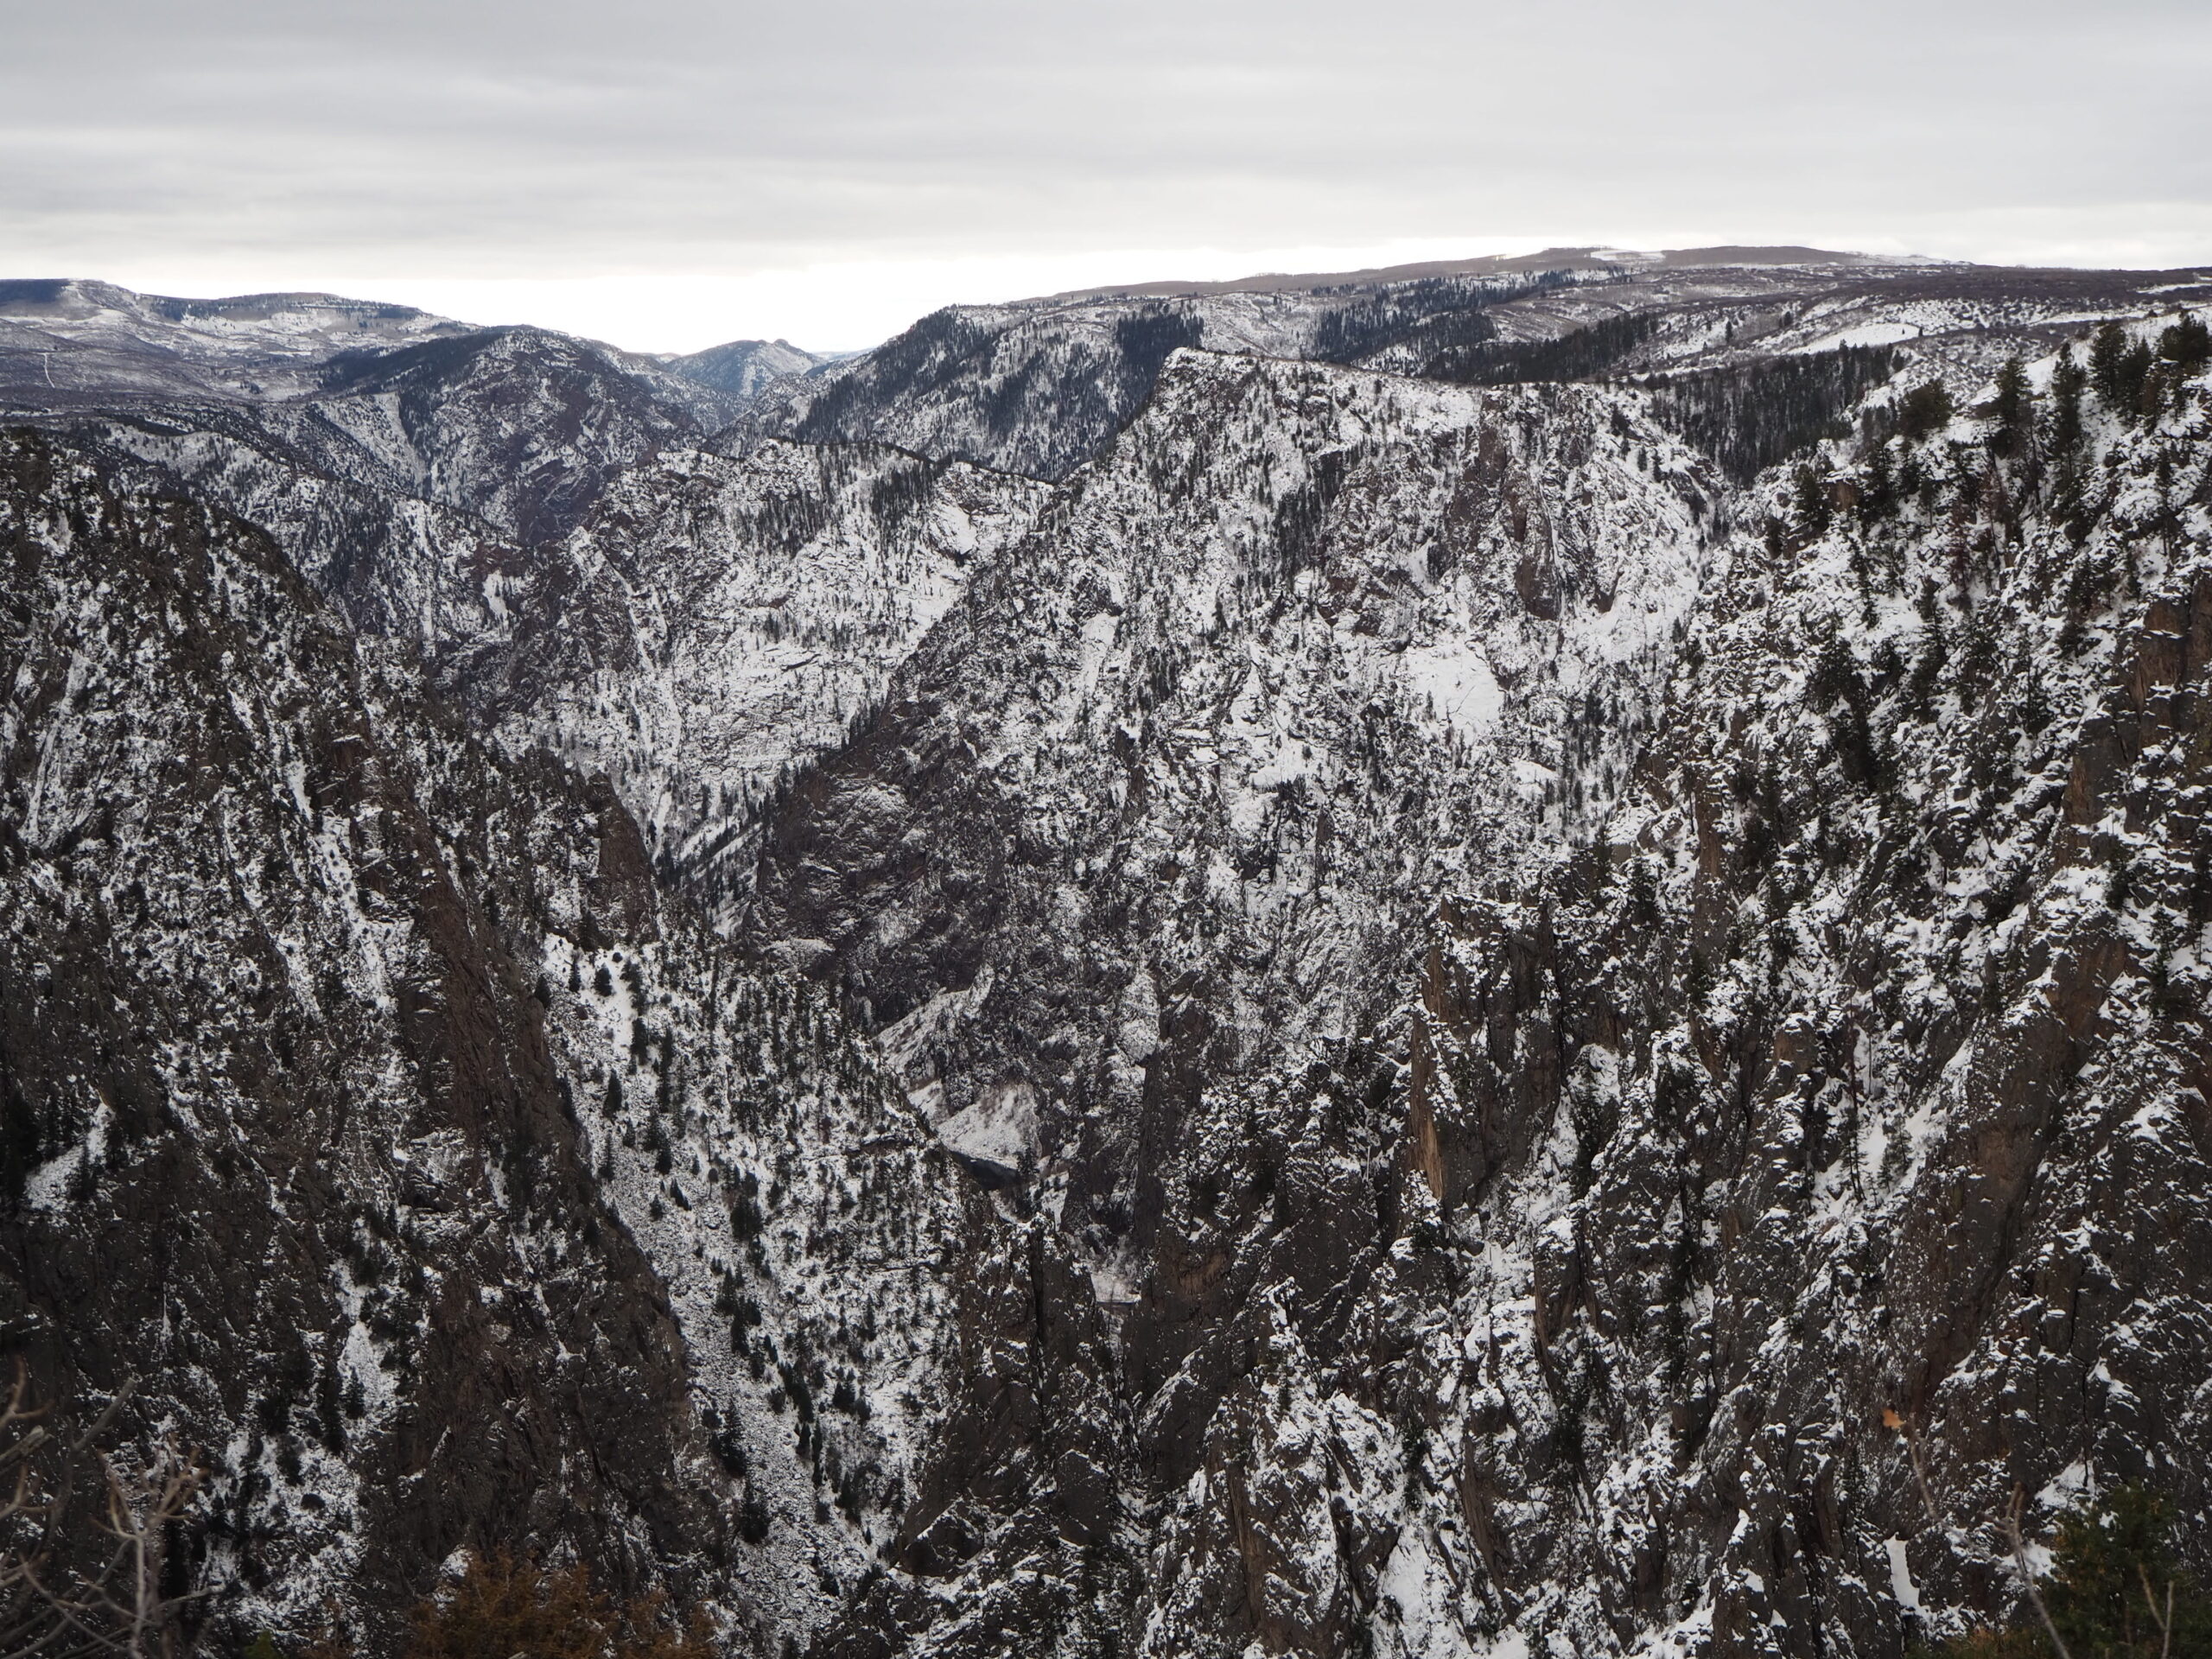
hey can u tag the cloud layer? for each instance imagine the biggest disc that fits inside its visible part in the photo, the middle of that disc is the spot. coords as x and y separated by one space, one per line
550 146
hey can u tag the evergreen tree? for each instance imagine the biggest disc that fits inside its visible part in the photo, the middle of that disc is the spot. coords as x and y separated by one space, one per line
2120 368
1748 416
1880 499
1812 507
753 1518
2107 348
2012 407
1577 356
2187 345
2068 380
2115 1578
2115 1590
1924 410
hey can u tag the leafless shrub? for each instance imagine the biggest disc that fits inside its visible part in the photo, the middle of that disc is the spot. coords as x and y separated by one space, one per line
85 1537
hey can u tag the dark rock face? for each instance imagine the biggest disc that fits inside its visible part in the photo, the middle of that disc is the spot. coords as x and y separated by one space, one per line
520 427
415 469
1850 1071
990 385
1170 783
1868 1093
1158 958
302 1130
394 563
276 1087
715 622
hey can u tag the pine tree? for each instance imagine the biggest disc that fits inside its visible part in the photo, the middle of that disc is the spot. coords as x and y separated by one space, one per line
2068 380
2115 1585
2115 1590
2120 368
1925 410
2107 348
2012 407
2187 345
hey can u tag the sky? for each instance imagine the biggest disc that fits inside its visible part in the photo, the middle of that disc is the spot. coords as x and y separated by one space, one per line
668 174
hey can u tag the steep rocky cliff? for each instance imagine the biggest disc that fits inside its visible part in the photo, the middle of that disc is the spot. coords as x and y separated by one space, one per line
1502 963
1853 1089
363 1102
1568 1259
718 621
1305 648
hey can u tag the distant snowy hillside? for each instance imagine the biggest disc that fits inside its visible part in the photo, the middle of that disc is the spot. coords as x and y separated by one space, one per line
744 367
716 622
1038 387
64 342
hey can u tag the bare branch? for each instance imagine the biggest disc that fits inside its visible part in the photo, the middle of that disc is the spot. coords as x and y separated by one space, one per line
1904 1426
99 1424
56 1604
2027 1577
2165 1620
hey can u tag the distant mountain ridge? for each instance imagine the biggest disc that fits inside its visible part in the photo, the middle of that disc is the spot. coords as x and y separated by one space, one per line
105 339
1494 265
1037 386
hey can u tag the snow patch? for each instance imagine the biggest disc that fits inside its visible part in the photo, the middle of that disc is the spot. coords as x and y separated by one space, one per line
1866 334
999 1130
1901 1584
1456 679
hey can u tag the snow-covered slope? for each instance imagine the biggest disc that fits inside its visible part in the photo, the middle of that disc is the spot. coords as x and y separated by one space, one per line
519 426
742 368
1163 803
73 343
397 565
386 448
1517 1224
717 622
1858 1092
1038 387
718 619
68 342
1304 645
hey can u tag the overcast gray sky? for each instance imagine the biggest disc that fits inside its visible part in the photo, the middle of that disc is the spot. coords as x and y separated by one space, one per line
669 173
